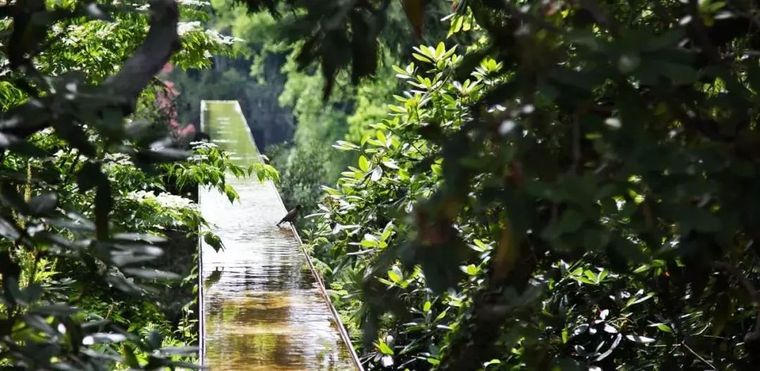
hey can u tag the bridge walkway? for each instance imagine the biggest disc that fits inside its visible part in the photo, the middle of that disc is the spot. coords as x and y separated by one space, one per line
262 304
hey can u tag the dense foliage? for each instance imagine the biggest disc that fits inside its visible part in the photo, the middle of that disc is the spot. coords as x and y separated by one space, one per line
97 233
283 100
555 185
561 184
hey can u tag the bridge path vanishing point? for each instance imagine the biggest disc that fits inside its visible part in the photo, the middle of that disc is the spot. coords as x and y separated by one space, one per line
262 304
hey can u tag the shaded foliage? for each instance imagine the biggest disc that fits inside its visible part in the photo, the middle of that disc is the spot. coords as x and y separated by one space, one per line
85 168
604 155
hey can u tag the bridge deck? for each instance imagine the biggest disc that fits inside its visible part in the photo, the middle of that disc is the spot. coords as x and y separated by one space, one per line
262 305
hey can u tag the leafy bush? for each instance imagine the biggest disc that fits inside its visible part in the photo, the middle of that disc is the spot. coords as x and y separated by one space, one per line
363 226
89 224
512 213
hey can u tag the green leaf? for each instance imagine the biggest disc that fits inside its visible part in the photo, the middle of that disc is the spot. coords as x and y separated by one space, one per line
427 306
345 146
231 193
383 348
679 73
662 327
381 137
570 221
471 270
492 363
395 275
363 163
214 241
436 168
370 240
387 231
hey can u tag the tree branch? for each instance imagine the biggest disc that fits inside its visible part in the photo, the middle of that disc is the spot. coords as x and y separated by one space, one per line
159 45
121 89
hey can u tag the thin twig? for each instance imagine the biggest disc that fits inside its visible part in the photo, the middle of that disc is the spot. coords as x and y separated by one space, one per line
698 356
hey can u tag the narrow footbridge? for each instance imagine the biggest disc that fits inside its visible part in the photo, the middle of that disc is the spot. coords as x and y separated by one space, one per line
262 305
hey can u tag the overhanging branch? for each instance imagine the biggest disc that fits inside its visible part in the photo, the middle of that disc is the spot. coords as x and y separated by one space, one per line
159 45
119 91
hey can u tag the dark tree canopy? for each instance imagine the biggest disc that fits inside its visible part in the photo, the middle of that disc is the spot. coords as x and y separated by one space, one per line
575 138
86 167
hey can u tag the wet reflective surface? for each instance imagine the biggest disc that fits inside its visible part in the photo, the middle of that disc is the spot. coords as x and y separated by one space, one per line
262 307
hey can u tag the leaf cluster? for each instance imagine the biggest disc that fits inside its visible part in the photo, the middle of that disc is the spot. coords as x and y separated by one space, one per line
85 181
604 155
